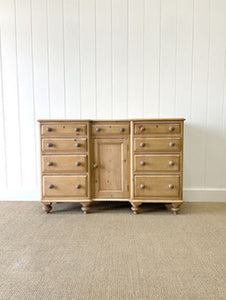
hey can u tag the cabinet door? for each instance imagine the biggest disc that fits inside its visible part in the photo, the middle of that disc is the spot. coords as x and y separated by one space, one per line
110 165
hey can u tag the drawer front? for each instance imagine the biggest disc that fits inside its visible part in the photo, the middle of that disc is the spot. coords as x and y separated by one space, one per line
156 163
64 130
65 186
157 186
157 144
101 130
157 128
64 163
64 145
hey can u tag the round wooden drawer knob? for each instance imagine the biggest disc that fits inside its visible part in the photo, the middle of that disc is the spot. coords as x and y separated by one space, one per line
122 129
48 129
49 145
171 128
142 128
78 186
51 186
171 144
77 129
142 144
142 186
49 163
98 129
171 163
78 145
78 163
95 166
171 186
142 163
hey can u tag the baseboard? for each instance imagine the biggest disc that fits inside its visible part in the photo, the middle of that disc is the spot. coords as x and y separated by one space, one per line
19 195
204 195
190 195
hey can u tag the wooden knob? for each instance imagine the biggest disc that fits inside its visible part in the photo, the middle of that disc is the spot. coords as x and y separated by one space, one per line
95 166
122 129
49 145
48 129
142 144
171 144
171 128
77 145
78 163
142 128
77 129
171 186
142 163
98 129
49 163
78 186
171 163
51 186
142 186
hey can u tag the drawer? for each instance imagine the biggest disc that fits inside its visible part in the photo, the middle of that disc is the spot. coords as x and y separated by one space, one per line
157 128
64 130
156 163
111 129
64 163
157 144
64 145
65 186
157 186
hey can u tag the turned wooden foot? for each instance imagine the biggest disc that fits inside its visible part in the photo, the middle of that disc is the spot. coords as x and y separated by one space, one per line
85 207
135 207
175 208
47 207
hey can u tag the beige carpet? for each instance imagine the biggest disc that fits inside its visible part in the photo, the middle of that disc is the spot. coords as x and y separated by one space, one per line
111 253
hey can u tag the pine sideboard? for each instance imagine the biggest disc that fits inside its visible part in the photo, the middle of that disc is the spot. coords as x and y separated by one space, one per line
140 161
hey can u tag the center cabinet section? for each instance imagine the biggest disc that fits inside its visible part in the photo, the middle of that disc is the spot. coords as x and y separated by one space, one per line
111 160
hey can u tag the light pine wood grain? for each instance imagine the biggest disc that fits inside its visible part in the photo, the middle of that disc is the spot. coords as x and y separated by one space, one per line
111 163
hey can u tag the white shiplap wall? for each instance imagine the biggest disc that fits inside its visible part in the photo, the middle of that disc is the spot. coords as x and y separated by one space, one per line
113 59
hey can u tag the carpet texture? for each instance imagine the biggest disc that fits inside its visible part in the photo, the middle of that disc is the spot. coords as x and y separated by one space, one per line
111 253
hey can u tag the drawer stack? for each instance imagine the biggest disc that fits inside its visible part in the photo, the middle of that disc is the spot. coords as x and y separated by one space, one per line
157 148
64 162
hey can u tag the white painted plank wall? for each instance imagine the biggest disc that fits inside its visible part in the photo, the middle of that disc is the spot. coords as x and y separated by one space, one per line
72 58
88 54
119 59
10 94
168 58
151 57
113 59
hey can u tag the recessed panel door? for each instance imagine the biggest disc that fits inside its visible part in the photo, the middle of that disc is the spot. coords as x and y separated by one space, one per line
110 168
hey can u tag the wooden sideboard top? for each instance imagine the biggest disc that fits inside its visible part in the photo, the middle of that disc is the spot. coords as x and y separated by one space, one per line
111 120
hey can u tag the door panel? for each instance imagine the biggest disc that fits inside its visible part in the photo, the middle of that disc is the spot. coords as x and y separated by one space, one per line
111 171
